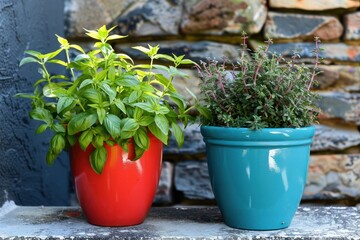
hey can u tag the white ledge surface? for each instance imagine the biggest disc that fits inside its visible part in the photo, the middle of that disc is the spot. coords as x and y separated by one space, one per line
173 223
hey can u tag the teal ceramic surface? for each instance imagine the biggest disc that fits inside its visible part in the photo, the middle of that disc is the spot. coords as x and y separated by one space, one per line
258 177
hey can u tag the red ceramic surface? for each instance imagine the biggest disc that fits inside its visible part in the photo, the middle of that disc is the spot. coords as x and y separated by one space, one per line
122 195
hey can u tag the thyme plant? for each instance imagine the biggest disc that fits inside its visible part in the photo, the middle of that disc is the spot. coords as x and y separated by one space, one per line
260 91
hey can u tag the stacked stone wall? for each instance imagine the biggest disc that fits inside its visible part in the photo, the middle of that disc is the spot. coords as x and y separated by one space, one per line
203 29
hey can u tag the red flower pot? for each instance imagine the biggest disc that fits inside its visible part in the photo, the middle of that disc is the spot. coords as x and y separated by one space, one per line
123 193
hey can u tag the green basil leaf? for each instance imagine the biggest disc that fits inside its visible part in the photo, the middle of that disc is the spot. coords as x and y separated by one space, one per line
142 49
114 36
50 157
163 110
101 75
57 143
64 104
135 95
129 125
93 34
41 114
127 81
52 54
58 128
71 139
138 152
41 128
85 139
138 112
39 81
127 134
187 61
82 57
145 106
77 47
28 60
33 53
62 41
178 134
93 95
109 91
103 33
164 56
52 90
163 124
154 129
145 121
112 73
57 61
110 143
178 100
141 139
25 95
165 82
98 159
86 82
101 113
81 122
112 125
119 104
61 77
98 141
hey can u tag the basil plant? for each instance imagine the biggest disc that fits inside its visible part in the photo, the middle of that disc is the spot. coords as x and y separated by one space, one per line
107 99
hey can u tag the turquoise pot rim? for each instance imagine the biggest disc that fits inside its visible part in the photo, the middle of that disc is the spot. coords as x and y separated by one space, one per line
264 134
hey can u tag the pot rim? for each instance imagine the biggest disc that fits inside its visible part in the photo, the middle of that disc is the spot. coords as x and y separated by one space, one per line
211 133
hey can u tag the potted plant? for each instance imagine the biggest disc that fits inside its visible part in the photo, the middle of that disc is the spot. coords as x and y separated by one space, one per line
114 117
256 123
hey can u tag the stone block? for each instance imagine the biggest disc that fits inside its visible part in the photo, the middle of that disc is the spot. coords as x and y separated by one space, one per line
318 5
149 18
92 14
193 143
327 78
302 26
333 52
226 16
164 192
352 26
133 17
333 177
192 179
340 105
334 139
338 76
196 51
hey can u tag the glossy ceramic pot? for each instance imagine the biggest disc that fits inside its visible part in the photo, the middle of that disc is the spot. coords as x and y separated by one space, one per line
258 177
123 193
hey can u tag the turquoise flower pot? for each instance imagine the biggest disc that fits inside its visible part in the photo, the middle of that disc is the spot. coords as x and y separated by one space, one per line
258 177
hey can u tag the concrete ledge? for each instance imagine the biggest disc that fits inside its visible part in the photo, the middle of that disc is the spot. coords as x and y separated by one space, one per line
173 223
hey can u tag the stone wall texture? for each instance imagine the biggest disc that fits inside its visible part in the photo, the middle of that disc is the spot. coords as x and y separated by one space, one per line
24 176
203 29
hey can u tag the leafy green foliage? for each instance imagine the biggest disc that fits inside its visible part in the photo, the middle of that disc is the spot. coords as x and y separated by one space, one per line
108 99
261 91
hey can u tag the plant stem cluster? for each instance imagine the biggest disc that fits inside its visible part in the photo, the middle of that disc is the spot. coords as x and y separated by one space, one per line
262 90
